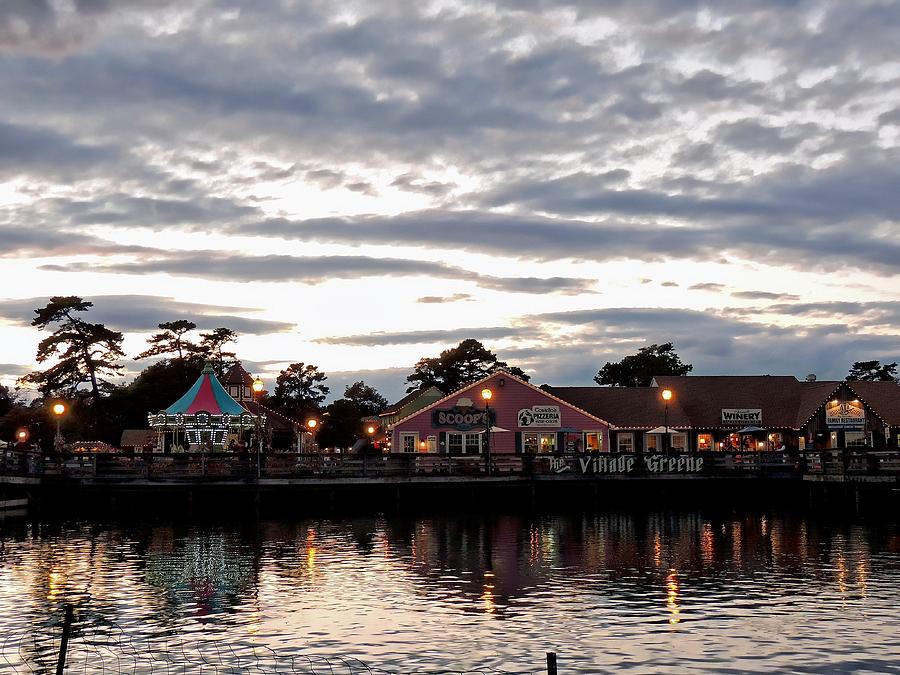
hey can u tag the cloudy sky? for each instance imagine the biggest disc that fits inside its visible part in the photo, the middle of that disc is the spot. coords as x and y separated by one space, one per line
357 185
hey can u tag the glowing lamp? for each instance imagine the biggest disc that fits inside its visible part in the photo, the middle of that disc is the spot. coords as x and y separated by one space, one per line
257 385
59 409
486 394
667 394
312 424
370 430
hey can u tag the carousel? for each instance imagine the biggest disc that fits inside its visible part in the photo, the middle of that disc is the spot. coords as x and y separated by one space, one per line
205 418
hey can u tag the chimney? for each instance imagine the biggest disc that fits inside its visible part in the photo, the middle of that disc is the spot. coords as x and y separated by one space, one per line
811 377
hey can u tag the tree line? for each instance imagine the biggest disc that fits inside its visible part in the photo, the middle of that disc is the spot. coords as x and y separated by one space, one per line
86 358
85 355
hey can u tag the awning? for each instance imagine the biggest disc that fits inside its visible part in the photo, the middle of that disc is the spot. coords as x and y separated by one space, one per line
750 430
663 430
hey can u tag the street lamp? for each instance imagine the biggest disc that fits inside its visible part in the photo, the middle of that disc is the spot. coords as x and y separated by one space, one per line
667 396
486 395
58 410
311 424
257 388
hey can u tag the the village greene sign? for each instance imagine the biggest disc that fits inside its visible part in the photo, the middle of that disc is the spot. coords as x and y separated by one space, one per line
613 464
741 416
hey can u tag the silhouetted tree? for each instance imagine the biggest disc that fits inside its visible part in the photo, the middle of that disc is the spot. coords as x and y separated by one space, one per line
639 369
468 362
171 340
211 349
366 399
872 371
84 351
298 391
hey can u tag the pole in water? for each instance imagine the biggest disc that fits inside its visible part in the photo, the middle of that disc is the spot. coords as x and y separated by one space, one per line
64 643
551 663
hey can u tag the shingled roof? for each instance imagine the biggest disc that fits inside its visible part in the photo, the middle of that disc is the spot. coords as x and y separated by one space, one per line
698 400
237 375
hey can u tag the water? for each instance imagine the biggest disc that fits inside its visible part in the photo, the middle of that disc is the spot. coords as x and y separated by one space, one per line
652 591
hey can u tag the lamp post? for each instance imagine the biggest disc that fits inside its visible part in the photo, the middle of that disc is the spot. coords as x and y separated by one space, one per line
311 424
58 409
667 396
486 394
257 387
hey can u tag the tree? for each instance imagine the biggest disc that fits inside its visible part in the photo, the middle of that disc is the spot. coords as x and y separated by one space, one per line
872 371
366 399
638 370
171 340
210 348
468 362
84 351
298 391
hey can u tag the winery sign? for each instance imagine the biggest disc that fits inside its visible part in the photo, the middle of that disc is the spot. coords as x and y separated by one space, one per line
741 416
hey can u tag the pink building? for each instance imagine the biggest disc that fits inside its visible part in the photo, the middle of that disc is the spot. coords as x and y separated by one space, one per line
524 420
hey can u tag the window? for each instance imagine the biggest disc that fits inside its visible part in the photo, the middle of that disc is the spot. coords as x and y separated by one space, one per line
464 444
652 442
679 442
855 439
409 442
625 442
533 444
432 444
704 442
593 441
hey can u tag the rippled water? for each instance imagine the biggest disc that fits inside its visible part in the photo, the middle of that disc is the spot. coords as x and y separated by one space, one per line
607 590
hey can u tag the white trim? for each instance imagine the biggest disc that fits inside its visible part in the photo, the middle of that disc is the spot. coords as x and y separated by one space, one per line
503 373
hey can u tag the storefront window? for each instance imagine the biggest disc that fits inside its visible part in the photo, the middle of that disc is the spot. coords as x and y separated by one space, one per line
409 442
464 444
652 442
678 442
432 444
593 441
538 443
625 442
704 442
855 439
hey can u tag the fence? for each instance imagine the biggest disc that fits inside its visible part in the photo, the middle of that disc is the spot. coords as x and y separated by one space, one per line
116 467
88 643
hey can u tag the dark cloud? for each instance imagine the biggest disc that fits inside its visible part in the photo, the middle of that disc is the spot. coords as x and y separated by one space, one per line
26 149
763 295
449 338
707 286
315 270
143 313
438 299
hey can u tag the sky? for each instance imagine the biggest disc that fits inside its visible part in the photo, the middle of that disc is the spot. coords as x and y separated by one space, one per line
360 184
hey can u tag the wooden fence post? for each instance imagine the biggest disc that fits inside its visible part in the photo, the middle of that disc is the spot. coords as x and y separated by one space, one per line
64 643
551 663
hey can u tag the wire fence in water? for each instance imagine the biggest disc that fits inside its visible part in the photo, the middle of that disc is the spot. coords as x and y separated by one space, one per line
99 647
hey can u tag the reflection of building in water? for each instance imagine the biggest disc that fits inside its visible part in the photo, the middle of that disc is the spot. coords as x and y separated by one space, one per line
490 562
210 571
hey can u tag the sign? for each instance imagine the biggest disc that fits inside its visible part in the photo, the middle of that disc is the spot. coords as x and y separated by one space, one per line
625 464
461 418
742 416
539 416
844 415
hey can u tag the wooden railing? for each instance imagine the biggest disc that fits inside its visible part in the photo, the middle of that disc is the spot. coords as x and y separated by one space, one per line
112 467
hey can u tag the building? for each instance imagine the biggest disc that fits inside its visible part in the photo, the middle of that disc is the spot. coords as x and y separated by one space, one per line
756 412
522 419
281 432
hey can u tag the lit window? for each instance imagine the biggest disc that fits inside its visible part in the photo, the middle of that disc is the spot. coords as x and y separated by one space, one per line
593 441
651 442
704 442
678 442
625 442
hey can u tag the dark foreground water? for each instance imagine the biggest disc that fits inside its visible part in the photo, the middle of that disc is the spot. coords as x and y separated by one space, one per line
653 591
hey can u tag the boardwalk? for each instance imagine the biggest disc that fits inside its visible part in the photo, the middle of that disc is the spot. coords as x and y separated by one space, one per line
289 468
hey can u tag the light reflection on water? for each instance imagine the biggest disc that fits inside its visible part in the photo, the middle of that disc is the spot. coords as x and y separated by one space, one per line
654 591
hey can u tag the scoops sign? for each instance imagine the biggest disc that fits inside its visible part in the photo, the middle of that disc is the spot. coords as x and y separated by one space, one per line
462 418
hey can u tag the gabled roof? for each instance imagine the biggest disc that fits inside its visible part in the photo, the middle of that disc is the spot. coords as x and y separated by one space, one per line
207 394
274 419
137 438
698 400
406 400
503 373
237 375
624 407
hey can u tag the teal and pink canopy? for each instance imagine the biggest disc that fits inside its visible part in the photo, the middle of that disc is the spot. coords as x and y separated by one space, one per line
207 395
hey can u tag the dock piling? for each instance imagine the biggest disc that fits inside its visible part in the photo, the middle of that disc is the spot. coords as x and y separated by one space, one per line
551 663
